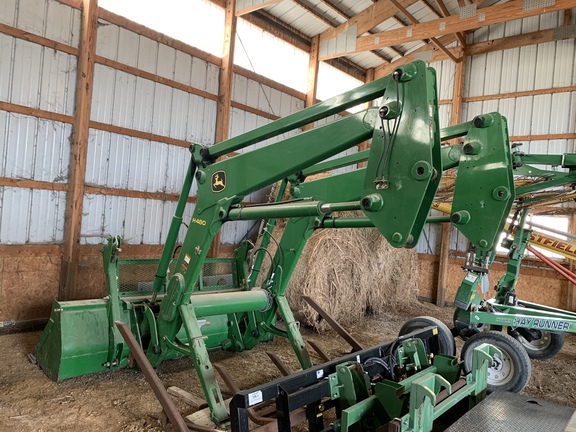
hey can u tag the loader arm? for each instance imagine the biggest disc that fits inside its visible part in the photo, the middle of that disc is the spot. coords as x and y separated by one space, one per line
405 157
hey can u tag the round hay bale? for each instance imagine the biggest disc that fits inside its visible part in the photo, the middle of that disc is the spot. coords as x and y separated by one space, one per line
350 273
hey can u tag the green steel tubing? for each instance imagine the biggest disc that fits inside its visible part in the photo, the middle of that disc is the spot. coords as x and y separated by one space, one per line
231 302
335 105
337 163
343 206
360 222
299 209
438 219
455 131
173 231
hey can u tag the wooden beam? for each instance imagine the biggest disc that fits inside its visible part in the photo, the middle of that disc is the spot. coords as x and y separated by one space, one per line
312 83
446 13
433 40
509 11
33 184
153 77
28 250
254 111
35 112
526 39
429 53
510 42
511 95
366 20
442 286
129 193
348 66
78 150
224 104
226 74
366 144
447 228
268 82
567 17
347 17
544 137
30 37
254 8
458 91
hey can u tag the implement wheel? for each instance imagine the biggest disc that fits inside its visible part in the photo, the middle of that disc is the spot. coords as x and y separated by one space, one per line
510 372
544 344
445 338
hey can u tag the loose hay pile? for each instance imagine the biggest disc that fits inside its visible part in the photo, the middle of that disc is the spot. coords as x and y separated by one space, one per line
350 273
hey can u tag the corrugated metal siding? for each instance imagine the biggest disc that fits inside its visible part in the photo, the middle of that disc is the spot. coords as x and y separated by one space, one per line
520 69
31 216
430 239
138 220
117 161
33 148
125 100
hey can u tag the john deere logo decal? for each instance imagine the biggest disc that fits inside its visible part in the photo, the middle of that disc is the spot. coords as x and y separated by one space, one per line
218 181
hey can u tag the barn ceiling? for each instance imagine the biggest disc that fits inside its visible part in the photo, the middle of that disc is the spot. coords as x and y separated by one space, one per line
374 33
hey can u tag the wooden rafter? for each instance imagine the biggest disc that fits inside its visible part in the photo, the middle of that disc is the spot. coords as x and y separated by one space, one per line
446 13
509 42
367 19
482 17
312 83
348 17
427 52
328 22
433 40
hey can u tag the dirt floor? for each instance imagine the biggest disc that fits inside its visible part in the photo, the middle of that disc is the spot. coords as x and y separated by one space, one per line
123 401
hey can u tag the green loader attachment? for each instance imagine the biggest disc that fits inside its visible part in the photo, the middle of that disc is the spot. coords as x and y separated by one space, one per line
191 304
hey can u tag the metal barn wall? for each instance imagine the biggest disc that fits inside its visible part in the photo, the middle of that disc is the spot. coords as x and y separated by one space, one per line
150 100
535 67
37 149
123 162
544 66
31 148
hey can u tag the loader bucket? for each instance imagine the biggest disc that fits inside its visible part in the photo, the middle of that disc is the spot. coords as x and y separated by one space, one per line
75 340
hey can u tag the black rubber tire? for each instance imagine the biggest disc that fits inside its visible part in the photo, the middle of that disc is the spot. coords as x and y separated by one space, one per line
509 373
445 338
544 348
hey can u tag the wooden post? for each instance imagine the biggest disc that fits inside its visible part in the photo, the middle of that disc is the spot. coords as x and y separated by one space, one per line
224 103
370 73
445 241
312 83
78 150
